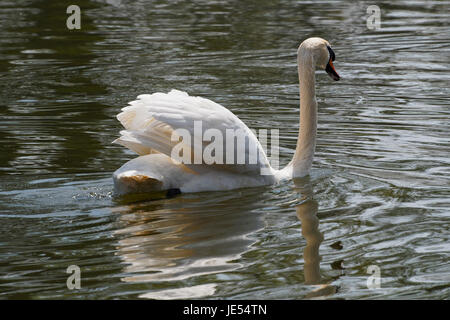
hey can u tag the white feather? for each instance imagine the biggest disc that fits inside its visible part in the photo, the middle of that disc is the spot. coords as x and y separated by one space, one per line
151 121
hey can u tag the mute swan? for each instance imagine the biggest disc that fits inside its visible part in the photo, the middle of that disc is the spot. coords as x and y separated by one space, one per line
152 121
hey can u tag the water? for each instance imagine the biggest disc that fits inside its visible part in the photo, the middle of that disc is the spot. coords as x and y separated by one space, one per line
378 193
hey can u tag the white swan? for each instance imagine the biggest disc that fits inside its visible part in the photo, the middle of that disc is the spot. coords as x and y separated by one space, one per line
153 120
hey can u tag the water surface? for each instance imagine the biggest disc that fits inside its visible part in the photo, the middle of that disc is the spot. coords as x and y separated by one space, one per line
378 194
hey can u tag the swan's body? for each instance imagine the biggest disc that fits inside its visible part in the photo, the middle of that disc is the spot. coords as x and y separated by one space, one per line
152 121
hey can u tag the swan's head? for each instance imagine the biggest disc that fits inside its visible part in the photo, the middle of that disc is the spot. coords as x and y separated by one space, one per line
321 53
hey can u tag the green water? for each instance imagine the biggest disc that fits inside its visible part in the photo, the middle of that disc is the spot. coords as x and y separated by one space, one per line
378 193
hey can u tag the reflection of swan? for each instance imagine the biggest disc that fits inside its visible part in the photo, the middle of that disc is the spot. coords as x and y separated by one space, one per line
165 243
307 213
153 121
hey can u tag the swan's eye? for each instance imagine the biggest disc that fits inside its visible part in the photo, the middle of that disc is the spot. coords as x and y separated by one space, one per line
332 55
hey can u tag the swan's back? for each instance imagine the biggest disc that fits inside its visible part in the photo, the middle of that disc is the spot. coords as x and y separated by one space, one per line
152 125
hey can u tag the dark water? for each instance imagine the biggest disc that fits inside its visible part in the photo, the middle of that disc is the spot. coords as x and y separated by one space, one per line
378 194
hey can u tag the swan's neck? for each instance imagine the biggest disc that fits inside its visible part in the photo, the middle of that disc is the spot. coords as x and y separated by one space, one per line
306 142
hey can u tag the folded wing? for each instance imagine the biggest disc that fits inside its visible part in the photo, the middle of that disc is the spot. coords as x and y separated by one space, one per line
152 123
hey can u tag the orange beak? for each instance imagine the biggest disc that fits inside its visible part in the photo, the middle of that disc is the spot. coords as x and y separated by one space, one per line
332 71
